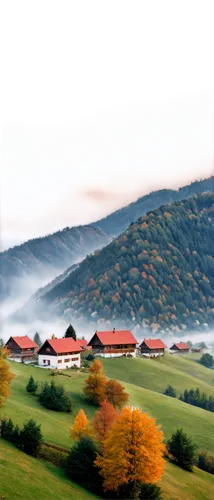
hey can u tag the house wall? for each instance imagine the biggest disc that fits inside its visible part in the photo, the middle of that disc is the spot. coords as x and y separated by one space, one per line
113 354
60 362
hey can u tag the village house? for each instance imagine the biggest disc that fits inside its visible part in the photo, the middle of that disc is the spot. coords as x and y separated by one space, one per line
60 353
180 347
113 343
152 348
21 348
82 343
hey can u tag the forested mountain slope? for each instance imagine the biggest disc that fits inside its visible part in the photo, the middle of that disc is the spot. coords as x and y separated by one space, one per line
158 274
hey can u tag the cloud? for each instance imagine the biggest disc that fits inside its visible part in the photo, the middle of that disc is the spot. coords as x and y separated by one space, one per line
100 195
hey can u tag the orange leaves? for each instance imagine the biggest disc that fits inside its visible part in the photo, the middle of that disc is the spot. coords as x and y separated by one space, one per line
133 450
103 420
94 389
81 426
115 394
5 377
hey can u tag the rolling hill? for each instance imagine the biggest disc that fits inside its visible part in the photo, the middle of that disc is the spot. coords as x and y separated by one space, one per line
157 276
144 380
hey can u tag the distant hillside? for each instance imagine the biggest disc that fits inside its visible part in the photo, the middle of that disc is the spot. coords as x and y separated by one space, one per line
118 221
46 257
159 274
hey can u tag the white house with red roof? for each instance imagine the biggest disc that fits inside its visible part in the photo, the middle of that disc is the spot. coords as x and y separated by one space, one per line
152 348
60 353
21 347
113 343
180 347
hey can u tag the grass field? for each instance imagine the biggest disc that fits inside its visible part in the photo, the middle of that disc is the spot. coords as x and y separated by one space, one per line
169 412
145 381
182 372
24 477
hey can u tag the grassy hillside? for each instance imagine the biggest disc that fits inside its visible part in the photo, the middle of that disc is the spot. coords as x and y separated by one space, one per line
24 477
158 275
169 412
181 372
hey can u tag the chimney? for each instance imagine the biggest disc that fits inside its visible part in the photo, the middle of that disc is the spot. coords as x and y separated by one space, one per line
114 330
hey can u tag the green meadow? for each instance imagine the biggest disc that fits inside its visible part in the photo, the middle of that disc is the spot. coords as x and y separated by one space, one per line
145 381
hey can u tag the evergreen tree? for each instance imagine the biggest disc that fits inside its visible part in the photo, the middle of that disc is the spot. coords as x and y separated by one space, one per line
31 438
1 343
207 360
80 465
31 385
180 446
70 332
54 397
170 391
37 339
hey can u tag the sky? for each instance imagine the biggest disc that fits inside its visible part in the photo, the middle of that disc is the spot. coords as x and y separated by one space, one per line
55 176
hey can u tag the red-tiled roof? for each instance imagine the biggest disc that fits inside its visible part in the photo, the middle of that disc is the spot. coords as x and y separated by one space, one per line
64 345
182 345
24 342
82 343
116 337
154 343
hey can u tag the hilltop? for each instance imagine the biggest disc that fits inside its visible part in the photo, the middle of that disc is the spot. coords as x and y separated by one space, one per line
158 275
118 221
27 267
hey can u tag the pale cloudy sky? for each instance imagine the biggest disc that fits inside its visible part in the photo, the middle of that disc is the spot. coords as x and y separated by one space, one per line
63 175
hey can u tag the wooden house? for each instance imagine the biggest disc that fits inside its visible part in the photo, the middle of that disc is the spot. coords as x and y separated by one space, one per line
59 353
21 347
113 343
152 348
180 347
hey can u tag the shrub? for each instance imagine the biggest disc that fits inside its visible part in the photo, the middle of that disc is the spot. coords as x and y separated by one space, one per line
205 462
31 385
150 492
80 465
54 456
31 438
54 397
170 391
90 357
7 429
207 360
182 449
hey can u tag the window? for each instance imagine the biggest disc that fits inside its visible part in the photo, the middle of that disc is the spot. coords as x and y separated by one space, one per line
48 349
66 360
74 359
59 361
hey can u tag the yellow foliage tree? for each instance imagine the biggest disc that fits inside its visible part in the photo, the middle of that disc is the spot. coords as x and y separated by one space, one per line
81 426
95 383
5 377
132 452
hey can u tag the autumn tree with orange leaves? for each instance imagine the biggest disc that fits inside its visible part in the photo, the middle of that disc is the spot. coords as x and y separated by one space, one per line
81 426
132 452
5 376
115 394
103 420
95 384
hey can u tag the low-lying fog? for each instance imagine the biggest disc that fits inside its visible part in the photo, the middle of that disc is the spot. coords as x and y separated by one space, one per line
58 328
